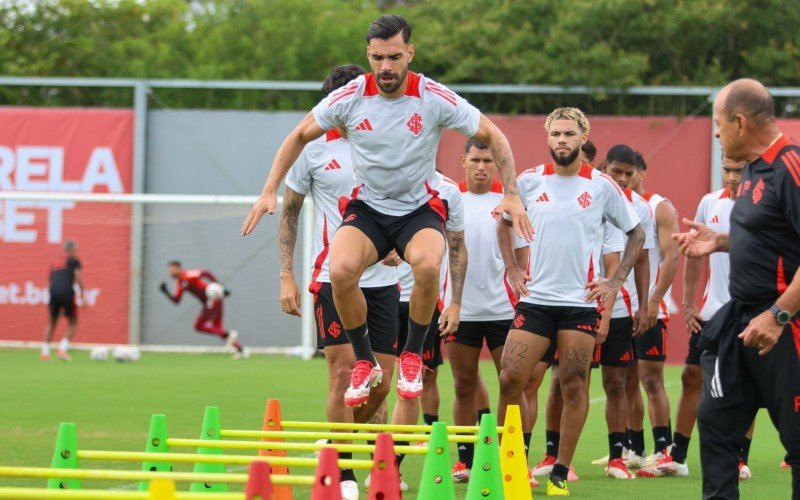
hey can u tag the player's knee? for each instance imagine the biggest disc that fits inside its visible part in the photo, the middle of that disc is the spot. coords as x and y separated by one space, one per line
511 384
340 379
426 271
573 388
465 388
653 383
691 380
614 386
344 273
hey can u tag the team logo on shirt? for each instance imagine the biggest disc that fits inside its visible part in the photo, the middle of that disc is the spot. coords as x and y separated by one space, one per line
543 198
519 321
364 126
334 329
758 191
714 220
743 188
414 124
333 165
585 199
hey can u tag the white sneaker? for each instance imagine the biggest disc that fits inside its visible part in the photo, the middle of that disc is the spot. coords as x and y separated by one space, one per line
243 354
349 490
664 466
744 471
233 336
618 470
363 377
403 484
409 375
320 442
634 461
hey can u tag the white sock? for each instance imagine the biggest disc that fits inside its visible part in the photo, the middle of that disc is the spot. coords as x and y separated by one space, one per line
64 345
46 349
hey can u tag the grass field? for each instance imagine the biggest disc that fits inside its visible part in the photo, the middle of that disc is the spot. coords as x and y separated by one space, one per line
111 404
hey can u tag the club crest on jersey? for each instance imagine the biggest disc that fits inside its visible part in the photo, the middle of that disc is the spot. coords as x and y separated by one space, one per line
743 188
519 321
414 124
585 199
335 330
758 191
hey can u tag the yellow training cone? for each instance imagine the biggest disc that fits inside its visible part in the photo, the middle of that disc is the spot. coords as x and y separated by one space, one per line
513 462
162 489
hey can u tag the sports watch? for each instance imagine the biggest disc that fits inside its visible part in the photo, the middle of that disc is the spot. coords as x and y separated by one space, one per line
781 316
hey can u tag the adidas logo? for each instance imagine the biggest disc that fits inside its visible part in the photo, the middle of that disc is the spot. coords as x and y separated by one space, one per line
461 447
619 445
542 198
550 443
364 126
714 220
662 439
333 165
625 357
653 351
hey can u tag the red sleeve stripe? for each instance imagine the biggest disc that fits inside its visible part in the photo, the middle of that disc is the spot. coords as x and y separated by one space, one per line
340 97
441 94
613 183
444 90
792 162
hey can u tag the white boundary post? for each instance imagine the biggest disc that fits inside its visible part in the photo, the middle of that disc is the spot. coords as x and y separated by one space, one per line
306 307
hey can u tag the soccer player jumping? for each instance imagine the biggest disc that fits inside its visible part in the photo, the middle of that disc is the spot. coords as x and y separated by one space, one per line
394 119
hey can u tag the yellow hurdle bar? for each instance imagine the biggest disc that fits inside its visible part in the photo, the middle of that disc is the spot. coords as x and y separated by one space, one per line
340 436
344 426
141 456
41 493
266 445
124 475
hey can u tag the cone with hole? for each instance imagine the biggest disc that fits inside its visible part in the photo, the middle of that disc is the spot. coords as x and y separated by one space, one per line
385 478
327 476
65 456
486 481
156 443
161 489
209 432
436 482
513 464
272 422
259 485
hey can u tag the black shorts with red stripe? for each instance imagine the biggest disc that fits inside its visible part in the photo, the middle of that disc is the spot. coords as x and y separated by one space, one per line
393 232
431 348
63 302
652 344
617 350
382 326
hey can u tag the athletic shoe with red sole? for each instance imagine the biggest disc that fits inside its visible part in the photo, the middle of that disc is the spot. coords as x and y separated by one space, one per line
409 375
744 471
545 467
618 470
460 473
532 480
364 377
784 465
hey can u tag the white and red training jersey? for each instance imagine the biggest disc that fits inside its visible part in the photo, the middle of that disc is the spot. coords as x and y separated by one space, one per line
449 192
394 141
325 170
487 294
714 211
656 258
567 214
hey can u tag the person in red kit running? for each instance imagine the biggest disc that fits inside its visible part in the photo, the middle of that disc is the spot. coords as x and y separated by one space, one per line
196 282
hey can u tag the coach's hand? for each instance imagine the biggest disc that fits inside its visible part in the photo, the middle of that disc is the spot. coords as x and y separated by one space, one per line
698 242
692 317
265 204
449 320
512 205
602 289
640 321
290 295
762 333
518 279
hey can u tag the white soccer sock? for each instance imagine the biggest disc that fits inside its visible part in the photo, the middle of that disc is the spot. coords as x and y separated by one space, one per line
64 345
46 349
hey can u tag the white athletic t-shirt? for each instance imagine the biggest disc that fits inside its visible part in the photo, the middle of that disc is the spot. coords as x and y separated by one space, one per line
394 141
655 261
325 170
715 212
449 192
567 214
487 294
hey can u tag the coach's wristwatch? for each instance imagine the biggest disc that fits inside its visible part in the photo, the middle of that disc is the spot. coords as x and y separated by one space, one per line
781 316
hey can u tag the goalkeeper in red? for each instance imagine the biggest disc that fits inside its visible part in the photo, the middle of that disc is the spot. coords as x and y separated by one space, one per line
206 287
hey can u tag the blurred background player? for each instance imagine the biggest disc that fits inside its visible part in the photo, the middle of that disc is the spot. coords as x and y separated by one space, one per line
650 348
64 275
196 282
714 211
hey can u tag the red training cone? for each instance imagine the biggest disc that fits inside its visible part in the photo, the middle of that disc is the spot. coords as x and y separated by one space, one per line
327 476
385 481
259 485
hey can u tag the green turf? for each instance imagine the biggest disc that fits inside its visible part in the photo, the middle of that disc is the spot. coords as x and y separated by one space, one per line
111 404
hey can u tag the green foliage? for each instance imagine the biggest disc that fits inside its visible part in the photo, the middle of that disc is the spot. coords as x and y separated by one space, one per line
611 43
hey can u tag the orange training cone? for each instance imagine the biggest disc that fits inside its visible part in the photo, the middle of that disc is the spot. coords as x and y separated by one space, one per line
259 486
385 481
327 477
272 422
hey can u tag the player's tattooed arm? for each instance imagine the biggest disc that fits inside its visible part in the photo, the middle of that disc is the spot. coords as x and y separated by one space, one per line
606 289
458 263
287 238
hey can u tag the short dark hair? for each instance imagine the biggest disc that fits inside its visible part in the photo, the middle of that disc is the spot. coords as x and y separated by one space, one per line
640 163
339 76
589 150
759 106
176 263
474 143
621 153
385 27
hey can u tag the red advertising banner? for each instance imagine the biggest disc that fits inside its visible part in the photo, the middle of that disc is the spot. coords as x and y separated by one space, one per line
75 151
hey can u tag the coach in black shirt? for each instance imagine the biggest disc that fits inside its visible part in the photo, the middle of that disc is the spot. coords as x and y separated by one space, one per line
752 345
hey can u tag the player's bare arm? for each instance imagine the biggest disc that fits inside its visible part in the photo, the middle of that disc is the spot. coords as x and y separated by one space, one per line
516 275
606 289
306 131
610 264
287 238
451 316
691 273
701 240
81 287
490 134
667 223
641 276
